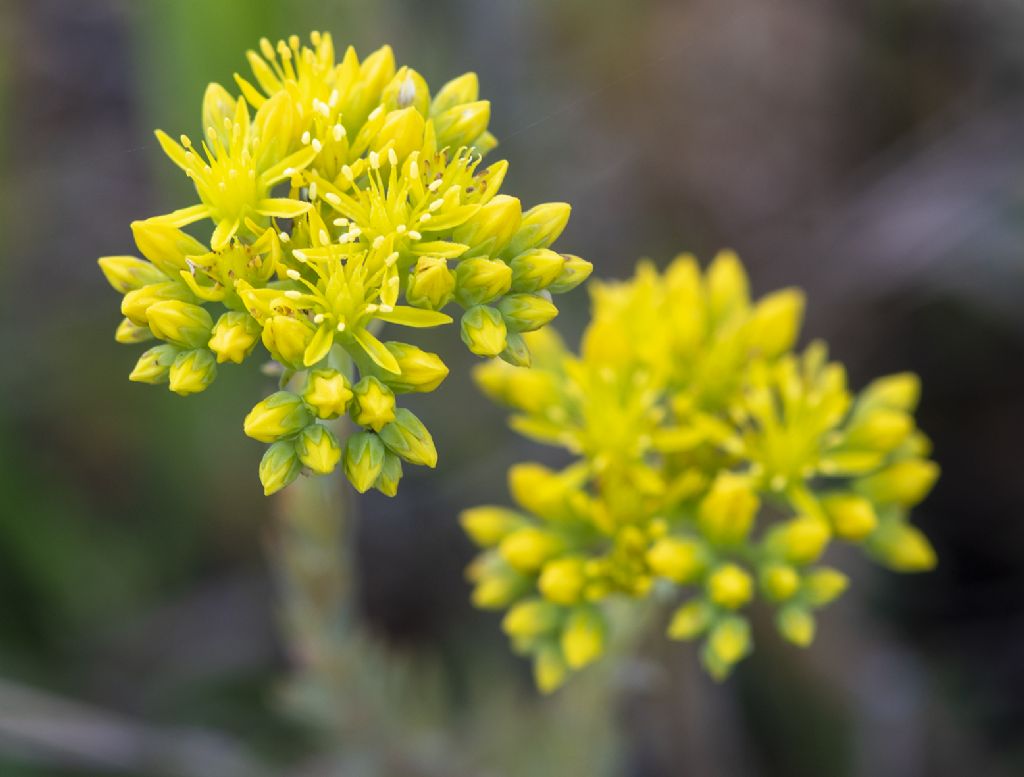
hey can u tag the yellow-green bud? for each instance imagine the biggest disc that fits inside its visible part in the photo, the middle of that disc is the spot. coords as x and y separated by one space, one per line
526 312
431 284
540 227
328 392
727 512
574 272
487 526
531 618
373 404
491 227
728 642
561 580
192 372
727 287
902 548
155 364
853 517
517 352
679 559
484 331
279 467
390 475
549 669
824 585
364 460
127 273
318 449
403 129
775 322
527 549
796 625
879 429
166 246
496 585
129 333
282 414
583 637
461 125
779 581
800 540
234 336
458 91
536 269
691 620
481 280
181 323
420 370
287 338
137 303
898 392
541 490
730 586
904 483
408 437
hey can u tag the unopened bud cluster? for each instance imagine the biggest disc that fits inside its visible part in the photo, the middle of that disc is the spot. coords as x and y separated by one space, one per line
714 464
341 196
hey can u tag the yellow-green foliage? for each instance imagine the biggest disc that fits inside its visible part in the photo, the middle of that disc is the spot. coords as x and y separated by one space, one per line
712 457
340 195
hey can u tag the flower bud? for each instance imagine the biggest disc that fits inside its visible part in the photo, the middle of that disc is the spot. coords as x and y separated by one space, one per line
282 414
287 339
824 585
679 559
192 372
691 620
181 323
526 312
328 392
403 129
373 404
496 585
136 303
516 352
583 637
129 333
431 284
549 669
234 337
727 512
527 549
727 287
902 548
127 273
364 460
853 517
561 580
165 245
540 227
775 322
279 467
728 642
896 392
487 526
481 280
796 625
543 491
779 581
390 475
461 125
536 269
407 89
409 438
574 272
879 429
420 370
730 586
491 227
318 449
155 364
531 618
904 483
483 331
800 540
458 91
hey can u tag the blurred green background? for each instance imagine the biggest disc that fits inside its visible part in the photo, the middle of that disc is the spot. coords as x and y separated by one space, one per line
870 152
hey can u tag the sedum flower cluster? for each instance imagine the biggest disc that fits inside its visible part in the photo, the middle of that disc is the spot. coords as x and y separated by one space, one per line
339 196
713 463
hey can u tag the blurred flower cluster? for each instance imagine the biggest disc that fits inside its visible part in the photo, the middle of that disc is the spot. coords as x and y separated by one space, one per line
712 463
341 196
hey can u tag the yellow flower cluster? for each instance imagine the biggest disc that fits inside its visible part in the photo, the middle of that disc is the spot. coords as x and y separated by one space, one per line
712 459
342 196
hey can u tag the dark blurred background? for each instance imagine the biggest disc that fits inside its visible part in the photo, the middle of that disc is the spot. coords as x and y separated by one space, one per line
871 152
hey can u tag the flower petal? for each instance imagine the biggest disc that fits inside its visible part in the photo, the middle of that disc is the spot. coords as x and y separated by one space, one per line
319 345
375 350
291 163
414 317
282 207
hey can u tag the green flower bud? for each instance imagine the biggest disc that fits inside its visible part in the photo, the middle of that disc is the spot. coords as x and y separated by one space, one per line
282 414
155 364
574 272
128 273
484 331
129 333
536 269
420 370
461 125
679 559
796 625
779 581
192 372
728 642
390 475
458 91
824 585
409 438
691 620
904 483
181 323
549 668
481 280
328 392
487 526
491 227
540 227
136 303
373 404
431 284
234 337
287 339
897 392
730 586
364 460
902 548
279 467
517 352
526 312
531 618
583 637
497 587
318 449
880 429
